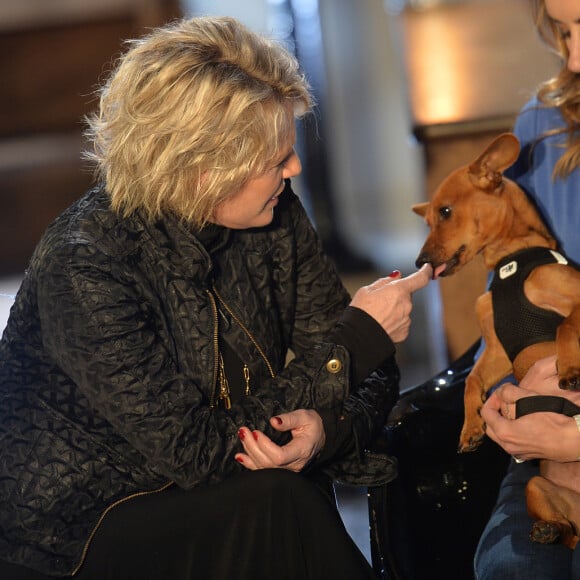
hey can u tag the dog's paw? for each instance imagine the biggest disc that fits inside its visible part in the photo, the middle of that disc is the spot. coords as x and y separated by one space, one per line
545 532
470 440
570 380
470 446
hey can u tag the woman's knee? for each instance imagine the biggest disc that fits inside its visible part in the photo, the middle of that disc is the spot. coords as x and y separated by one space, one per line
276 481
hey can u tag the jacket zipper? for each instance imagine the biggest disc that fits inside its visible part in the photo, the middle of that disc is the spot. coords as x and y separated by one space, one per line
247 332
216 352
102 517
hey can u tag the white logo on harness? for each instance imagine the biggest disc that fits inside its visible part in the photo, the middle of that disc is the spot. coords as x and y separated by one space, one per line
558 257
508 270
512 267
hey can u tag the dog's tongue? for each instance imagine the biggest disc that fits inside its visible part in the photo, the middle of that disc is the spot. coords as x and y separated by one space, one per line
437 271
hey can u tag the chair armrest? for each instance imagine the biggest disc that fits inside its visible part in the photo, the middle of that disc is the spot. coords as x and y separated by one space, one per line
444 391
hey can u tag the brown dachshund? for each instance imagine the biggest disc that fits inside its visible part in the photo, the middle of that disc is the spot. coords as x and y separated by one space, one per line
531 311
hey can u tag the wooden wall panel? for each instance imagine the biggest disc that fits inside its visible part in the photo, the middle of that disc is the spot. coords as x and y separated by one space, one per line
49 70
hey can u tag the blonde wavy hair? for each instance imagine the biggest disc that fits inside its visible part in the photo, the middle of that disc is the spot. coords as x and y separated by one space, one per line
562 91
191 113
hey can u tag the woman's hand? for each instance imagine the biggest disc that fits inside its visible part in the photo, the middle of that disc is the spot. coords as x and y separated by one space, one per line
537 435
305 426
388 300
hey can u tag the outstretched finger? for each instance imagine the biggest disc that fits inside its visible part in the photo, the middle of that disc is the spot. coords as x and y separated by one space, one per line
418 279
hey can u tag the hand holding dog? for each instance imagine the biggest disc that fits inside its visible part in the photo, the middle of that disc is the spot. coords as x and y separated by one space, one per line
389 300
537 435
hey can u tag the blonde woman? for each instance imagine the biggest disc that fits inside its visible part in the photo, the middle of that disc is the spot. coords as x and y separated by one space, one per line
549 170
149 425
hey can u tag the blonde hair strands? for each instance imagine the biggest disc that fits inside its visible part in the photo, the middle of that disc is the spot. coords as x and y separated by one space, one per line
190 114
562 91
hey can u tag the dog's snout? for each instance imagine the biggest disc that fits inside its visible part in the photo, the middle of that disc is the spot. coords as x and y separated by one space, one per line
422 259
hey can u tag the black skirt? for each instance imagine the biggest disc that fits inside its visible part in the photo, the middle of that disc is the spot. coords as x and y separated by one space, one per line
258 525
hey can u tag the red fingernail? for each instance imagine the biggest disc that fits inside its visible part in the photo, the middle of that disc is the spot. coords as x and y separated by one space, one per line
394 274
241 434
240 459
278 420
255 434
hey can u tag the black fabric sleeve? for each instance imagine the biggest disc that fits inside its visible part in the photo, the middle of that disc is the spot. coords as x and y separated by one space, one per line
366 341
338 433
369 347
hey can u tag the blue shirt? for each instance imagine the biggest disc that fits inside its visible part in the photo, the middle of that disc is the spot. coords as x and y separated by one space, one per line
559 200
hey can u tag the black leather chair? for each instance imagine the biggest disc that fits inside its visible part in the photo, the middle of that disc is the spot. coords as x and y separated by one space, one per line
426 523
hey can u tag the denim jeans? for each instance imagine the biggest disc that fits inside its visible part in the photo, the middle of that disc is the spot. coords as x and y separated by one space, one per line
505 551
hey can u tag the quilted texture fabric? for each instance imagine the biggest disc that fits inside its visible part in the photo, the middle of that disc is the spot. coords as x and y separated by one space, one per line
107 366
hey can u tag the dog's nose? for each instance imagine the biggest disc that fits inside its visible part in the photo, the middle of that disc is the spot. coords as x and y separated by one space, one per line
422 259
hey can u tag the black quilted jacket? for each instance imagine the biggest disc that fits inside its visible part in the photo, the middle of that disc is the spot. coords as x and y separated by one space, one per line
108 367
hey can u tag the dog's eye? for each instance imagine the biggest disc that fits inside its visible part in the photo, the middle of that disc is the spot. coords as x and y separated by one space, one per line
445 212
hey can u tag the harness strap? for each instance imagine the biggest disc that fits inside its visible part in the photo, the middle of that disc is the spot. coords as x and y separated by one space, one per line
546 404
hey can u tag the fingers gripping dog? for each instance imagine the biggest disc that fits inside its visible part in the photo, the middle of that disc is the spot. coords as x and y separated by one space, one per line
531 310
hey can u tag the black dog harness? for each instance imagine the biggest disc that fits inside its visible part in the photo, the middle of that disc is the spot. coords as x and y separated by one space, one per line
546 404
519 323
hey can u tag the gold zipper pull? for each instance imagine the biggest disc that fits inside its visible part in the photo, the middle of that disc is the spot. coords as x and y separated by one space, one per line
226 400
224 395
248 391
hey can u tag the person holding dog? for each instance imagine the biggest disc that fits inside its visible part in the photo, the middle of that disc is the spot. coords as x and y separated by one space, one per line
548 169
152 422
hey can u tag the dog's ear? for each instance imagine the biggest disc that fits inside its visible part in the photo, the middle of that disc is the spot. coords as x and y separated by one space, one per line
486 172
420 208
